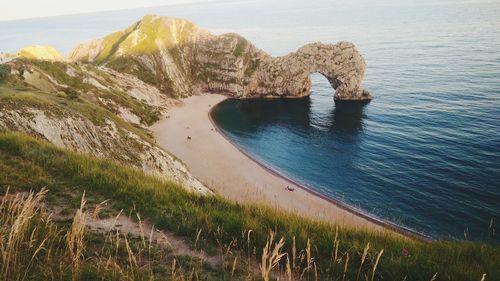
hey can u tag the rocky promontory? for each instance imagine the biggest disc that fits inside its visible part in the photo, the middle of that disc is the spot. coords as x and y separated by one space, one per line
180 59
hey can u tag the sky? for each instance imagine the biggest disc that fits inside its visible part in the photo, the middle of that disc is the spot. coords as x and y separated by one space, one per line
22 9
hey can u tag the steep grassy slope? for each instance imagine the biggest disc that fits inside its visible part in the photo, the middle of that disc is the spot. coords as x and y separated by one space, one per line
86 244
98 85
241 232
157 50
91 110
149 35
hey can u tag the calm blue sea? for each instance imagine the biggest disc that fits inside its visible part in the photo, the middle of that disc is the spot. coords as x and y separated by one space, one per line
424 153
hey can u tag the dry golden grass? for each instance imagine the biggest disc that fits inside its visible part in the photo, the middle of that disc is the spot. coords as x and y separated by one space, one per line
376 263
271 256
18 214
363 257
33 247
75 240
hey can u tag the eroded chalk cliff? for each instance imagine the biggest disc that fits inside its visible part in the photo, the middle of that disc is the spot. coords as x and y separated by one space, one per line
181 59
93 110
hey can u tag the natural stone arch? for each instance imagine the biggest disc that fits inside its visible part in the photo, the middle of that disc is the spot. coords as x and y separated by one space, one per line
289 76
341 64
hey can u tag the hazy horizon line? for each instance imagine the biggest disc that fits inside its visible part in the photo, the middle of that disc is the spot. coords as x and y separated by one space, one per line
180 3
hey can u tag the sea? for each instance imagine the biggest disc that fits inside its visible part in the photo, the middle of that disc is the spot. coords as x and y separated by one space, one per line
424 153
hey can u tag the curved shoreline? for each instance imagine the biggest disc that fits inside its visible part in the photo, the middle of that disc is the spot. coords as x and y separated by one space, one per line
190 133
358 212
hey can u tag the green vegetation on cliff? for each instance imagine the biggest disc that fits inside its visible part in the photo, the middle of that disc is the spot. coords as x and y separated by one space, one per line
4 72
147 36
145 50
39 52
131 66
110 45
237 232
74 80
61 104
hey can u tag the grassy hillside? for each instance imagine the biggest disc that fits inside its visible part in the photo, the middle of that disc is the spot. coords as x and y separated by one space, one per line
40 52
89 109
238 233
73 81
146 36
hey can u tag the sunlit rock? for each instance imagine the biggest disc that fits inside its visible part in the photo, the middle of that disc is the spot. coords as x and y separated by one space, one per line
181 59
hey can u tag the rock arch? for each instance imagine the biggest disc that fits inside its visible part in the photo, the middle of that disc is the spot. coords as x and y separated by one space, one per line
289 76
341 64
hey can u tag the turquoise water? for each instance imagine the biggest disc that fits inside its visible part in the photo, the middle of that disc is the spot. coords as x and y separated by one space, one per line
424 153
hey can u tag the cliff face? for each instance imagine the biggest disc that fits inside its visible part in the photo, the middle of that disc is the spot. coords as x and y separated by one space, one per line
92 110
158 50
107 140
180 59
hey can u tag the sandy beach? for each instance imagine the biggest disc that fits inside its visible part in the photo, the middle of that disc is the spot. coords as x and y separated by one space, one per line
223 167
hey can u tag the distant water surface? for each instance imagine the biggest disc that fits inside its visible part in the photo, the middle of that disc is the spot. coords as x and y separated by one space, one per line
424 153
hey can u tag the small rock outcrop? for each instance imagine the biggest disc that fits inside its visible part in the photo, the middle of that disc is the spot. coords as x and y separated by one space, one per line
181 59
